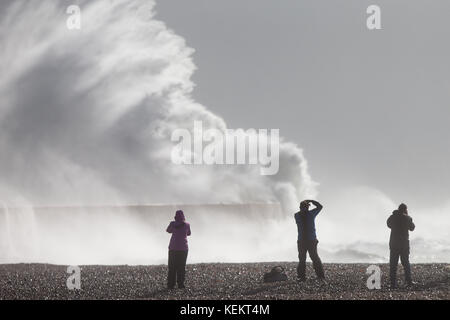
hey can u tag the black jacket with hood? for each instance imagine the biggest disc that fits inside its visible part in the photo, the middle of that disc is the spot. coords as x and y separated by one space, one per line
400 225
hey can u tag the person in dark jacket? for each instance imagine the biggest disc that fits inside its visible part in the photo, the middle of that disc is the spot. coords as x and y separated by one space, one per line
178 250
307 239
400 224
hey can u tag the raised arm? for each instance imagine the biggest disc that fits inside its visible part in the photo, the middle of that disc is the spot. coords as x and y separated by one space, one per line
389 222
318 207
411 226
316 204
170 228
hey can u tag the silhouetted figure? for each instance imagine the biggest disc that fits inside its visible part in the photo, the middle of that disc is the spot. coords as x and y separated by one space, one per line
400 224
178 250
307 239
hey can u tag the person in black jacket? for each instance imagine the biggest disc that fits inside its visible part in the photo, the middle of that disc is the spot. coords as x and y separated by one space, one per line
400 224
307 239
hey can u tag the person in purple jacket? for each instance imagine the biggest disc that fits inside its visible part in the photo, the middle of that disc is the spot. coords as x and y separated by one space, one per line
178 250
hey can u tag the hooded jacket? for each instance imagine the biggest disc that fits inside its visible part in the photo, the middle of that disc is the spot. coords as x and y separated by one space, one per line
400 225
306 224
180 230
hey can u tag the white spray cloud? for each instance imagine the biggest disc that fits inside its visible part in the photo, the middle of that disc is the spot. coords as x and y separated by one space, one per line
86 119
87 115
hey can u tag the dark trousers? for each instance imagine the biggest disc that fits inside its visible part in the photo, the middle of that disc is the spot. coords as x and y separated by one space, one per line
308 246
403 253
177 268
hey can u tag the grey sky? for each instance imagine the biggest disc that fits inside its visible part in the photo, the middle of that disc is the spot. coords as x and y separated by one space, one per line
368 107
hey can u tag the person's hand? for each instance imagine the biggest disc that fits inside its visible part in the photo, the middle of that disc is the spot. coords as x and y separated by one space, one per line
314 202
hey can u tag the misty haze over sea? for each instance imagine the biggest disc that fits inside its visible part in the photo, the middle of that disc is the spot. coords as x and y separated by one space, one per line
135 235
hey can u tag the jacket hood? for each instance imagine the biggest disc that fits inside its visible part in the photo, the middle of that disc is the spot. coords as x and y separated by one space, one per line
179 216
398 212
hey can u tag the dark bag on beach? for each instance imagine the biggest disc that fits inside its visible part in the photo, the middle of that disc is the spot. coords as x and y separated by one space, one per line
276 274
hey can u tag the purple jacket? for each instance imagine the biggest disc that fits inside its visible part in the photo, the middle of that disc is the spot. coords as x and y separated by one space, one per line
180 230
